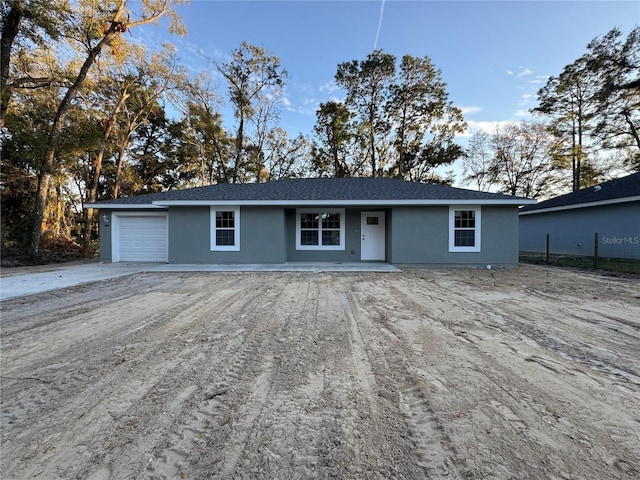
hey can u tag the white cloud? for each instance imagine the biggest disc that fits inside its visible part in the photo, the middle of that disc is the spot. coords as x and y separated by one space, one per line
487 126
523 113
328 87
524 72
307 106
470 110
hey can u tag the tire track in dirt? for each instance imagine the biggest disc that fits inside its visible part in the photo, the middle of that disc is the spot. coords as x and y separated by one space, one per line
250 452
170 449
525 415
237 385
431 445
26 313
432 449
130 385
560 336
410 376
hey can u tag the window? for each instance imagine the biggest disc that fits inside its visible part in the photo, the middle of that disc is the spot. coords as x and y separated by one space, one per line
319 229
225 228
464 229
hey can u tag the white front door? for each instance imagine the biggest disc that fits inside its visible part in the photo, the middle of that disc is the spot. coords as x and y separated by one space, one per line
372 229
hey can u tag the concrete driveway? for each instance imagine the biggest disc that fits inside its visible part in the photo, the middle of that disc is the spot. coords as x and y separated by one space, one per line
20 283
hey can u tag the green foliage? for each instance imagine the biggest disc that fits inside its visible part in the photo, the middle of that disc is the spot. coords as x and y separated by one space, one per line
18 187
425 122
24 143
367 84
617 64
203 149
335 133
41 19
255 79
594 104
401 118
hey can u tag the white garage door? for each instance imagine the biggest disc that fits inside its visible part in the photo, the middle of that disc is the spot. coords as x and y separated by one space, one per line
142 238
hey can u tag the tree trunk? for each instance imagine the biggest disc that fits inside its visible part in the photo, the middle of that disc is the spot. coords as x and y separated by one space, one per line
633 129
38 214
10 26
56 128
121 154
91 194
92 190
372 141
579 159
401 153
63 108
239 142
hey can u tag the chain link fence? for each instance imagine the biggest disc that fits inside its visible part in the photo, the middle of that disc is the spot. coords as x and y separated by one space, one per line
600 252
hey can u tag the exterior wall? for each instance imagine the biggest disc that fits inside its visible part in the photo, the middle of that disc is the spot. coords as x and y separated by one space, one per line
420 235
572 232
262 236
105 236
414 236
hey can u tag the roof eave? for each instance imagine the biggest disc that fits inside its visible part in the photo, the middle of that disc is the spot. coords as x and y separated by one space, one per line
574 206
333 203
120 206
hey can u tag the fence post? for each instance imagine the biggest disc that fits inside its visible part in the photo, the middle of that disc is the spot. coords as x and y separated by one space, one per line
547 248
595 252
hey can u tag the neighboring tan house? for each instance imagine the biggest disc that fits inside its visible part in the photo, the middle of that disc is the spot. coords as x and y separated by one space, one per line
314 220
611 209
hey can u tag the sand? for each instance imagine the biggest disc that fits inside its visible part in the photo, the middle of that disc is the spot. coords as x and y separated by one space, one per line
526 373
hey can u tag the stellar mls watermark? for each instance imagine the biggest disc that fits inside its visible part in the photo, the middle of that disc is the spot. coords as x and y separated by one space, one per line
621 240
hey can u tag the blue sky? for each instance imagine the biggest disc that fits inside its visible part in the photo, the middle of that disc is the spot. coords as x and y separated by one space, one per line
494 55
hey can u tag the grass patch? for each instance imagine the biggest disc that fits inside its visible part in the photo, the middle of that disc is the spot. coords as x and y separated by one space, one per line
619 265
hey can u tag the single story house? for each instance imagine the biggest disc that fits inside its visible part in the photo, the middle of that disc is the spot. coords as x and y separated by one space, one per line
611 209
314 220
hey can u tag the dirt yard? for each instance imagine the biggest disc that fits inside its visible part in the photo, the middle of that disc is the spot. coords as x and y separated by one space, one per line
529 373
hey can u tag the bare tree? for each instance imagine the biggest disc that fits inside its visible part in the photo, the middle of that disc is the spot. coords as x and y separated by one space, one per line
285 157
522 163
477 161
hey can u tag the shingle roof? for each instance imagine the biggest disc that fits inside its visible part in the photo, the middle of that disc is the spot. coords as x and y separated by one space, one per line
619 188
316 189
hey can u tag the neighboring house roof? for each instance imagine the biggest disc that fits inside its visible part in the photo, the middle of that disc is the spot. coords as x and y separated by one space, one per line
316 191
625 189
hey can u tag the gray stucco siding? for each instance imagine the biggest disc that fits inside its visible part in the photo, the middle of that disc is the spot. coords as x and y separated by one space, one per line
416 235
499 236
572 232
261 236
420 235
105 235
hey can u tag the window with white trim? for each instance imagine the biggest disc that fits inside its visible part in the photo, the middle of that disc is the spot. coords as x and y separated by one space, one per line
225 228
320 229
464 228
